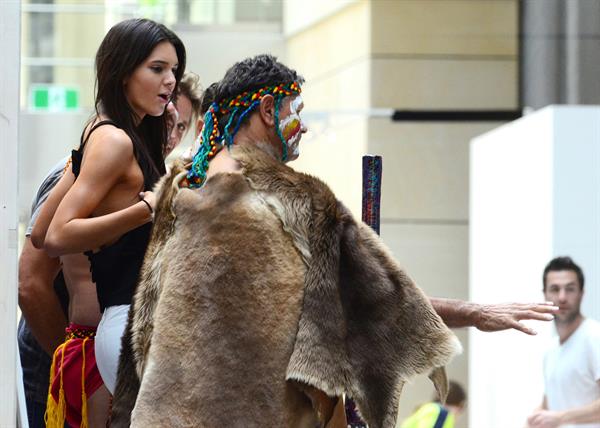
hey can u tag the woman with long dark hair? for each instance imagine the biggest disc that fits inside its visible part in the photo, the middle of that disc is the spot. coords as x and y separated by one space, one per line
107 210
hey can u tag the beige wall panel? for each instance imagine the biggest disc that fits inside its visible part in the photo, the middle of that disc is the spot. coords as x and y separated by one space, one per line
334 43
445 27
212 50
333 57
333 148
444 84
301 14
435 257
335 156
78 35
347 89
425 168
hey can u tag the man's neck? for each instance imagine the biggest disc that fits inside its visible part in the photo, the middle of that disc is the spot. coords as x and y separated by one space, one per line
222 162
566 330
249 134
256 135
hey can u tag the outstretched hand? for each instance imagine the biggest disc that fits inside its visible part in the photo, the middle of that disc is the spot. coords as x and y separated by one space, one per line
544 419
492 317
497 317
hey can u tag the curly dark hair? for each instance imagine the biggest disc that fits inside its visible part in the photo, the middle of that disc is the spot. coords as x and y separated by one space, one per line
208 97
563 263
248 75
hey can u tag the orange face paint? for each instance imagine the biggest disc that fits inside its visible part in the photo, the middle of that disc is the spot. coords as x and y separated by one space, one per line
292 127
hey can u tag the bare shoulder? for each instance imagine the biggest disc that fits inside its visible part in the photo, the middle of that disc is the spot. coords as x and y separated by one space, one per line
108 154
110 140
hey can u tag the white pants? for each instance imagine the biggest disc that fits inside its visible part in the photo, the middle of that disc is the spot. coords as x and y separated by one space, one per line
108 343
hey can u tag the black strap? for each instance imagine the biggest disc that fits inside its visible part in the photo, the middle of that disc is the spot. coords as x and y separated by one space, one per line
76 158
77 155
441 418
96 126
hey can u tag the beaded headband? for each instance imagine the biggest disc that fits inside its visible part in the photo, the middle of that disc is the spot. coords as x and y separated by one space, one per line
211 140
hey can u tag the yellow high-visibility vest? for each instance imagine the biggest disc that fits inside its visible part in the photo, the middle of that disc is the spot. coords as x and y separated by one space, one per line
430 415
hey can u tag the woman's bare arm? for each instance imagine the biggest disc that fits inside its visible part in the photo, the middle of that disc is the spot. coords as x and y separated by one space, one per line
38 234
107 159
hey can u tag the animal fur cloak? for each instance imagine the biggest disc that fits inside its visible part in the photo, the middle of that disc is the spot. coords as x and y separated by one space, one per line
261 301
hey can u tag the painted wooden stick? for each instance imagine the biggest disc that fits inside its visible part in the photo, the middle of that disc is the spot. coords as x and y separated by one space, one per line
371 190
371 203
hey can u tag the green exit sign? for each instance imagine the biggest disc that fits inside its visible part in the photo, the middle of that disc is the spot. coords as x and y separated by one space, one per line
53 98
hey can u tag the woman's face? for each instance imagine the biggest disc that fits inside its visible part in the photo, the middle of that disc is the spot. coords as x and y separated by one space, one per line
148 89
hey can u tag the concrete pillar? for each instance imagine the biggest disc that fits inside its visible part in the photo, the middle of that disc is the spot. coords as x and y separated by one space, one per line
560 52
10 19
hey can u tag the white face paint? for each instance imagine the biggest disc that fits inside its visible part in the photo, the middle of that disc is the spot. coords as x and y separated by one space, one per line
295 104
292 128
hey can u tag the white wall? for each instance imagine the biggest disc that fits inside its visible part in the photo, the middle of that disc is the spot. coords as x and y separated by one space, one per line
211 50
535 194
576 190
10 19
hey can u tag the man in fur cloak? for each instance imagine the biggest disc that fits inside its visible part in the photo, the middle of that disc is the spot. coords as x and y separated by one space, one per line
262 301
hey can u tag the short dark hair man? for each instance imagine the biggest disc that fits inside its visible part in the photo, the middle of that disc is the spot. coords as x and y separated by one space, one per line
572 364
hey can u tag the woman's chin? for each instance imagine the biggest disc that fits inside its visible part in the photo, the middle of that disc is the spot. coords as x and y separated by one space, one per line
157 112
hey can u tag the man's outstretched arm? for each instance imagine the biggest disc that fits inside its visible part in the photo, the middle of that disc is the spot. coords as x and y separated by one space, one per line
495 317
37 299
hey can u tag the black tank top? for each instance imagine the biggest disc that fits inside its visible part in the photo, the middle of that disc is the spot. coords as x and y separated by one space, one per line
116 267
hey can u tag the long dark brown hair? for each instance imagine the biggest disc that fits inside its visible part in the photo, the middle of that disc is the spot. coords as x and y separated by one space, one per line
126 46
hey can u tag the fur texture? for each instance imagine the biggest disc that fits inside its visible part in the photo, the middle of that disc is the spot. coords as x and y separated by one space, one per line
137 336
265 288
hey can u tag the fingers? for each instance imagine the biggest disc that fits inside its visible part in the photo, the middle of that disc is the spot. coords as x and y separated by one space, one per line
526 309
523 328
534 315
520 327
505 316
540 306
547 307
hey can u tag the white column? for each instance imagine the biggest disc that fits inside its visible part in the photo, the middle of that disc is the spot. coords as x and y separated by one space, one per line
10 20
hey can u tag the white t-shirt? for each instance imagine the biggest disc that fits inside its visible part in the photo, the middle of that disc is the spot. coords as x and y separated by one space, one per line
572 370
